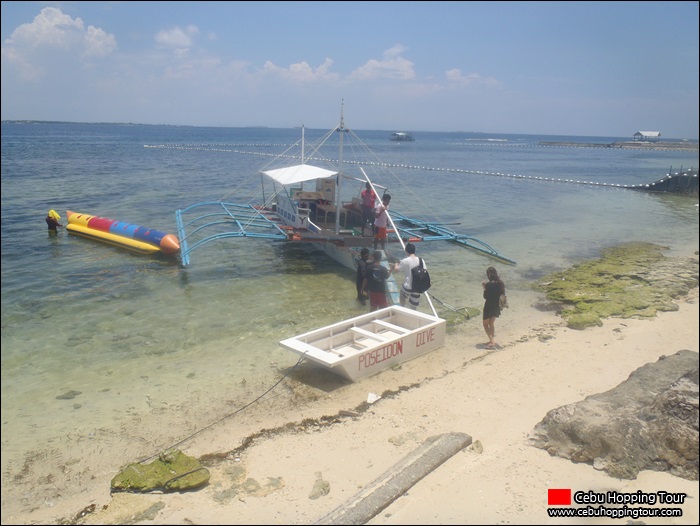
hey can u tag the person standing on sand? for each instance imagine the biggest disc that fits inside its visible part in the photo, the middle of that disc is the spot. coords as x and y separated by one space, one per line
493 288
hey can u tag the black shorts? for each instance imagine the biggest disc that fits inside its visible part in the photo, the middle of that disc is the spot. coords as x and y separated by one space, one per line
368 215
491 310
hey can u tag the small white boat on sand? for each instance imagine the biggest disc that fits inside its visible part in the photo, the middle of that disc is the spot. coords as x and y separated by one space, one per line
370 343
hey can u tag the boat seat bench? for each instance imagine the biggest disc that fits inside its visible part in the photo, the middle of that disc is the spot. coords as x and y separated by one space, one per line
330 357
391 326
369 334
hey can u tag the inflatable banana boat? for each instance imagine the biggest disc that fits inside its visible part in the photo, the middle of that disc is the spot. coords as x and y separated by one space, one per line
124 235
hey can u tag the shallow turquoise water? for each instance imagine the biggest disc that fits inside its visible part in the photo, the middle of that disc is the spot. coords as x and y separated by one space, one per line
137 335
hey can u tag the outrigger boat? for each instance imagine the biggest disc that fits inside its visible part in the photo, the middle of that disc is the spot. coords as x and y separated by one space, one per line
305 203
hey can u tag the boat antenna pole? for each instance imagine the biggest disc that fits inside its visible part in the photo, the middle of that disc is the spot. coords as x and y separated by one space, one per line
303 143
342 129
398 235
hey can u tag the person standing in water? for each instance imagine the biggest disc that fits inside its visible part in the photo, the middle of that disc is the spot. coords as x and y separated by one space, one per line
361 279
377 274
52 221
406 265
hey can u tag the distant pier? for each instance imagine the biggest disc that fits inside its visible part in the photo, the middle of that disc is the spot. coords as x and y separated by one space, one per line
685 183
630 145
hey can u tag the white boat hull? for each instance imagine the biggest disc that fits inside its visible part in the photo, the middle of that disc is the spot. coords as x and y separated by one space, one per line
346 256
370 343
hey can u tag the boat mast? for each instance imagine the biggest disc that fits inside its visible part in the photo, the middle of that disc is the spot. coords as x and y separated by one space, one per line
341 128
302 151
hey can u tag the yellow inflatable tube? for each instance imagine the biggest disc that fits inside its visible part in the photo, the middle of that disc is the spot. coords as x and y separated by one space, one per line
124 235
111 239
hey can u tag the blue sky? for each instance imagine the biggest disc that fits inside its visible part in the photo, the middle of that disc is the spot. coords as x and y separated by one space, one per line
556 68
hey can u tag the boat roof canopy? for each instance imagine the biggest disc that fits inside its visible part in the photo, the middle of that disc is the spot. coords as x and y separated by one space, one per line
299 174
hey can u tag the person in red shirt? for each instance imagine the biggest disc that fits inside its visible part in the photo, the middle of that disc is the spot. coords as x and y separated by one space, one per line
368 199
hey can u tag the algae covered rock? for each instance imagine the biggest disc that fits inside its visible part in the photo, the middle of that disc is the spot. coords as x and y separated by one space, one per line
632 280
172 471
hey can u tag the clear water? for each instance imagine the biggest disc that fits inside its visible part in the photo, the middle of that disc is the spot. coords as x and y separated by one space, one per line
141 336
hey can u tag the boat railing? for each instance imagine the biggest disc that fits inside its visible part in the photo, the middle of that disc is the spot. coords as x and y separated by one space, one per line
249 221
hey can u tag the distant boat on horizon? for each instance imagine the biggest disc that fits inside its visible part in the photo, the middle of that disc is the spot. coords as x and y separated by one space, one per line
402 137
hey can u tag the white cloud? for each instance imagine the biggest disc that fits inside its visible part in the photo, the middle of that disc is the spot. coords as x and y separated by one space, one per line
53 29
302 72
50 28
395 51
29 49
456 78
98 43
177 37
392 66
24 68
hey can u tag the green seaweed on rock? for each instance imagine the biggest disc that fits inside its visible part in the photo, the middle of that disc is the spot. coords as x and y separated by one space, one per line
173 471
632 280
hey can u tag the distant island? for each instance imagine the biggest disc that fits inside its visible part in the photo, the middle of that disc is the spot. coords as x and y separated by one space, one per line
9 121
684 144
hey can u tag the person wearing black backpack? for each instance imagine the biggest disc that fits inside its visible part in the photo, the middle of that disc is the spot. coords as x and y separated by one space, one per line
376 282
406 265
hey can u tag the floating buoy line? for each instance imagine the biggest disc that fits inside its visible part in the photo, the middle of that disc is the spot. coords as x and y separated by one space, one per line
213 148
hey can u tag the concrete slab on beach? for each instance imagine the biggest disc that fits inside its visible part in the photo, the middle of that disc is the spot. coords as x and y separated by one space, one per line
398 480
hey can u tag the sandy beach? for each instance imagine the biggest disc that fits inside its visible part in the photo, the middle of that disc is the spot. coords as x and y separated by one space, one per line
300 463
